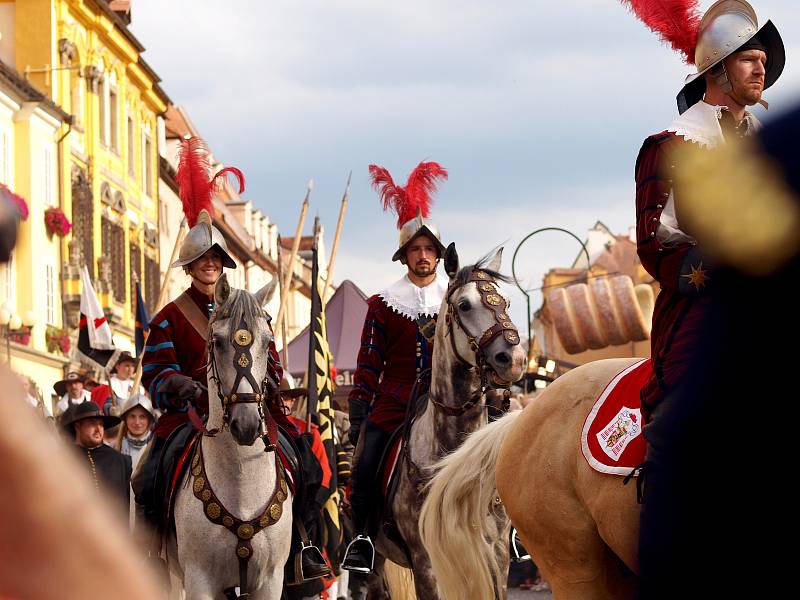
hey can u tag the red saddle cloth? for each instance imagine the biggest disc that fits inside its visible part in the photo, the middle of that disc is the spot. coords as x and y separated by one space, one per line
612 440
390 463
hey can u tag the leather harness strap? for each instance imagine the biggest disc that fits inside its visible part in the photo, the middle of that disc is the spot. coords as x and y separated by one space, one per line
244 531
193 314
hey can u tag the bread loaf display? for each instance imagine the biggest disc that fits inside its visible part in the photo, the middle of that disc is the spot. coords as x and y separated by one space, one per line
609 311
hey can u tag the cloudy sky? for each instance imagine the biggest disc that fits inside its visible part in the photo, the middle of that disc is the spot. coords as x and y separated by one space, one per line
536 108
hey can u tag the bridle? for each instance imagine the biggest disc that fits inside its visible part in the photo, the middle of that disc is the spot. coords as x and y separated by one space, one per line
242 341
491 299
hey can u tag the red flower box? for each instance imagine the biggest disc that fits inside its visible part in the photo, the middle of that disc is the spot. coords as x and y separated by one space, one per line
56 222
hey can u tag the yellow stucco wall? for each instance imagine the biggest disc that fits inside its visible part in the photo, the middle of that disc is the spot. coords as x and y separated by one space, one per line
101 43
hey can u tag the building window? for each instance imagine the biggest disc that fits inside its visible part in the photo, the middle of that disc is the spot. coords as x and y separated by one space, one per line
152 284
113 240
147 160
5 170
83 216
49 194
136 272
76 98
8 284
113 112
131 149
50 292
102 98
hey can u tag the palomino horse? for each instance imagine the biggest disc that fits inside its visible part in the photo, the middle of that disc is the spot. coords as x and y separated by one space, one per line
233 513
581 526
474 341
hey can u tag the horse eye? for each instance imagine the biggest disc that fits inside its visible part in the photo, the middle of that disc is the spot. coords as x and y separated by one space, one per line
464 306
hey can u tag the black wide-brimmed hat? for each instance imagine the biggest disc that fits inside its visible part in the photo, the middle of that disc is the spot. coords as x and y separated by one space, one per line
87 410
292 392
60 387
125 357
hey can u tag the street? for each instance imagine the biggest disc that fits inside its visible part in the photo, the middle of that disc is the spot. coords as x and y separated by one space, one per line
518 594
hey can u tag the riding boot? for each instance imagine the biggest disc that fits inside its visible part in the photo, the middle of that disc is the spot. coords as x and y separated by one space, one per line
364 498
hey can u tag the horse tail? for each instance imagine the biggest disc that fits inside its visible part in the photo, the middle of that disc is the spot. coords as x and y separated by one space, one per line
458 522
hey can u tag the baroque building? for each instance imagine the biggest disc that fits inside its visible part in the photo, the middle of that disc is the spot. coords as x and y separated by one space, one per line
82 55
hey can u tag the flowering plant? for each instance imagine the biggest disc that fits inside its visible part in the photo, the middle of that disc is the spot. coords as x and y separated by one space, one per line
56 222
57 340
21 335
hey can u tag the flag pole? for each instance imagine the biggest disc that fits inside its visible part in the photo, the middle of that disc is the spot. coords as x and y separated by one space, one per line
282 331
287 280
335 247
311 374
137 379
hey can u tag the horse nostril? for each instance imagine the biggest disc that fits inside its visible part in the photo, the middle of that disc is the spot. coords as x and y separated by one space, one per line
503 358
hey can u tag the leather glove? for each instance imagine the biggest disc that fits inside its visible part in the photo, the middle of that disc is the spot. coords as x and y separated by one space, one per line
358 413
185 388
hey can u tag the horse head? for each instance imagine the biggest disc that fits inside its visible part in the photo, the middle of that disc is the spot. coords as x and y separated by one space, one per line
481 332
238 373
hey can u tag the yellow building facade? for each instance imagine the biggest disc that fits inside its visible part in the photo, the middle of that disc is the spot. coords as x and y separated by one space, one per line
81 54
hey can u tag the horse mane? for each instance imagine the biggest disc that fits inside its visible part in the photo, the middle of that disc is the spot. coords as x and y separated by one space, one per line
240 303
462 277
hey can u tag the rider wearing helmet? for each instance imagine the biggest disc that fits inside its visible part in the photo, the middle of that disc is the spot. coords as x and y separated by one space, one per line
396 344
175 359
736 61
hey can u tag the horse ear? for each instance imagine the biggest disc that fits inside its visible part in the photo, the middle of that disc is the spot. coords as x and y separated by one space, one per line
451 260
222 290
264 295
497 259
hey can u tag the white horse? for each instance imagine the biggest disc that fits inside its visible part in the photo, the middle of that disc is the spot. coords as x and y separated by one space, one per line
233 511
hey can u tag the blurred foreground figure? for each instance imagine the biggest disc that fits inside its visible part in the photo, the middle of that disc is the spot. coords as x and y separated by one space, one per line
721 500
57 540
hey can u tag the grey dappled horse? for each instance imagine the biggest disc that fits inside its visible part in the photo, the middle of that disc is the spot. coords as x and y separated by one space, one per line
456 407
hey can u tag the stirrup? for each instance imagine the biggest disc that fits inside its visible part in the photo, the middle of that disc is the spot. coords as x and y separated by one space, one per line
518 552
311 553
362 544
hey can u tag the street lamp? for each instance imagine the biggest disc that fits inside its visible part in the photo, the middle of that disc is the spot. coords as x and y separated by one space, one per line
541 367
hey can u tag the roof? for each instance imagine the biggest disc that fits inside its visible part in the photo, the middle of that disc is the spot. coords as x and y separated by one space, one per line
344 316
620 258
29 93
306 243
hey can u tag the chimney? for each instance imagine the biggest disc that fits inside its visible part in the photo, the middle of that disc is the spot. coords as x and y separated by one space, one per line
122 8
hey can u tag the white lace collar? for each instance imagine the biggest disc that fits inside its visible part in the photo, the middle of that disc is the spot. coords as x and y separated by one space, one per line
700 124
405 298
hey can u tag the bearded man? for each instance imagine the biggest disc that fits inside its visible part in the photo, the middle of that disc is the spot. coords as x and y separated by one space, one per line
736 61
396 345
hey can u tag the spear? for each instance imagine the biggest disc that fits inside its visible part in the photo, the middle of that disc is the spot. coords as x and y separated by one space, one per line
335 248
287 279
161 297
282 330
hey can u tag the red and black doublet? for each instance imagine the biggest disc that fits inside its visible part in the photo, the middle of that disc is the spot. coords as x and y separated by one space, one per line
679 268
393 354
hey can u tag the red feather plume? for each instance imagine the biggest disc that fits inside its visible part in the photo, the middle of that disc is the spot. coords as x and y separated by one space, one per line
676 22
415 196
219 178
193 182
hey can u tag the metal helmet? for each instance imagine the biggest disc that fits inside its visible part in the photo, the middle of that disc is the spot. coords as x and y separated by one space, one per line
412 230
200 239
137 400
727 27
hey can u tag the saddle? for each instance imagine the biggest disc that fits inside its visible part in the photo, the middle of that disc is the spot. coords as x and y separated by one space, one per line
390 474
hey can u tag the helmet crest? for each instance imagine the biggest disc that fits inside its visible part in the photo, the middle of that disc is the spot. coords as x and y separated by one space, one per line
676 22
415 197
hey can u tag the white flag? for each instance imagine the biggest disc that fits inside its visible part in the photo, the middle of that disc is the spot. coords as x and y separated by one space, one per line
96 325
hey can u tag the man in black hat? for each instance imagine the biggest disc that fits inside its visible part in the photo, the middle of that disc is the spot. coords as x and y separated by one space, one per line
109 469
71 391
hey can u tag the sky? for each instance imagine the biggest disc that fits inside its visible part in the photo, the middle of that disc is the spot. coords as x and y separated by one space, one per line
537 110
